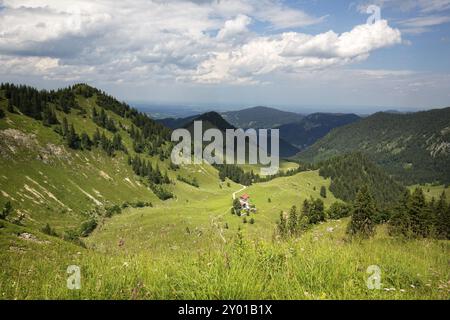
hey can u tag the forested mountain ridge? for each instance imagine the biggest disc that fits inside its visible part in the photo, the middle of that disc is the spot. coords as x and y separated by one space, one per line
413 148
311 128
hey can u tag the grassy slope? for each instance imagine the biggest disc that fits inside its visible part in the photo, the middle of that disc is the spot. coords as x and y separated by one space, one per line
321 265
60 189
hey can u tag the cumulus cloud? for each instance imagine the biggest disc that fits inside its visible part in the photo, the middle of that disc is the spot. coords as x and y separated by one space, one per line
205 41
234 27
296 52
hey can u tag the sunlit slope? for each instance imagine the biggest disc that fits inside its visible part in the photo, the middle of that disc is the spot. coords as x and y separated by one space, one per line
49 183
177 224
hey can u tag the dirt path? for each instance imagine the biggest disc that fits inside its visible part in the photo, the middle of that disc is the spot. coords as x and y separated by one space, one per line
234 193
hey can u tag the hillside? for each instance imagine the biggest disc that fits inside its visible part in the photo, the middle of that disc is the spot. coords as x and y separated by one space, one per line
71 155
414 148
313 127
349 172
260 118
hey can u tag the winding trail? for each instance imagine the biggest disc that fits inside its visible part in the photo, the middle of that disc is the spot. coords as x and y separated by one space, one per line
234 193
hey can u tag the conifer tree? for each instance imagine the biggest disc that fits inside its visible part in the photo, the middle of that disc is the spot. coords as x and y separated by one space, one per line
293 221
323 192
282 227
363 213
400 222
419 214
65 127
442 218
86 142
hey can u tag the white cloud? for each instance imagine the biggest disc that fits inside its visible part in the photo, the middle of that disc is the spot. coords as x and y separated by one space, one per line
175 40
234 27
296 52
422 24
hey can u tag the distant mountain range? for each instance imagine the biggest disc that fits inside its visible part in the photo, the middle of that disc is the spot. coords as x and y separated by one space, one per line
297 132
260 117
414 148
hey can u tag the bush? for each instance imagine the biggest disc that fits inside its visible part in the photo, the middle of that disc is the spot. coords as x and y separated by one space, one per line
113 210
252 221
2 114
88 227
74 237
6 211
338 210
49 231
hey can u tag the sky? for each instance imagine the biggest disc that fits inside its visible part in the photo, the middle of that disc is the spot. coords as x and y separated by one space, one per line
360 55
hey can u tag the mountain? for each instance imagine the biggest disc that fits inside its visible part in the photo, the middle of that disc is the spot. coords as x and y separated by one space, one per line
175 123
215 120
210 120
71 155
260 118
413 148
311 128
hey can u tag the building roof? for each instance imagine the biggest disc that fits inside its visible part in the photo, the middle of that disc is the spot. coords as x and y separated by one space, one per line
245 197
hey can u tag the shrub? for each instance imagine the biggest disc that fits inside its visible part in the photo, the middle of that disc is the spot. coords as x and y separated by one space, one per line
6 211
88 227
338 210
49 231
113 210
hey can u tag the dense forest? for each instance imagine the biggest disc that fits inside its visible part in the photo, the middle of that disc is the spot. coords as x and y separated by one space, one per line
350 172
413 148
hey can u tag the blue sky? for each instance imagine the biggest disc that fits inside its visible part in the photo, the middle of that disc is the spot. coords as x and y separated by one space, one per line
299 55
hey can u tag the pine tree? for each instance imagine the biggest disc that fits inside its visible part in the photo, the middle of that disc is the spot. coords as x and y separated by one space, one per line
282 227
363 213
72 138
96 139
323 192
292 221
65 127
10 107
400 222
86 142
442 218
419 214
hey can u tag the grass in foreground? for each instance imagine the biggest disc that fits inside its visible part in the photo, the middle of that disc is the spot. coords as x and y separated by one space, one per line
319 265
